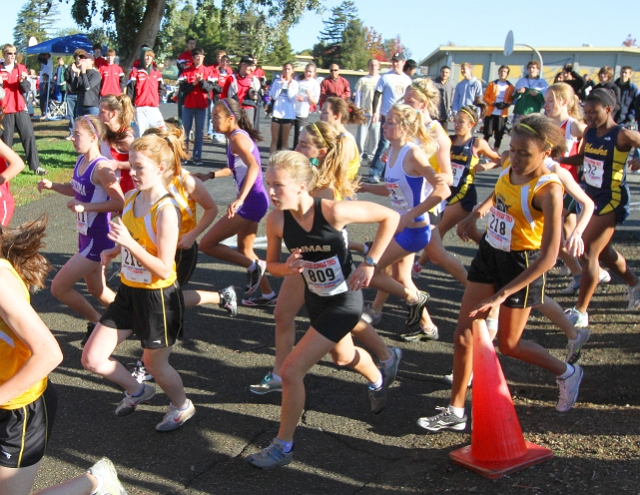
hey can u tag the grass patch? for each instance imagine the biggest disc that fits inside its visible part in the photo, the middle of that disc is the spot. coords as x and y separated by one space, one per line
56 154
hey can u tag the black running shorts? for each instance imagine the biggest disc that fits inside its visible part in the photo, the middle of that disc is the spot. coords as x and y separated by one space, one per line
186 261
154 315
24 432
499 268
335 316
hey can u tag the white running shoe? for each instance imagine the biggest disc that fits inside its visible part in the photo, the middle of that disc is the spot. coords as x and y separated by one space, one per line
105 472
129 403
578 319
569 389
574 347
370 316
604 277
634 297
255 276
416 270
175 417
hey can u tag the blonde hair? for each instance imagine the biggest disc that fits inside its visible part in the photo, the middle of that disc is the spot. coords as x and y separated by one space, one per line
165 148
562 91
426 91
121 104
411 122
297 166
20 246
334 170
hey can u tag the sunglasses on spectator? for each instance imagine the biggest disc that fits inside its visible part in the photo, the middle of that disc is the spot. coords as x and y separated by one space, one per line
10 53
335 70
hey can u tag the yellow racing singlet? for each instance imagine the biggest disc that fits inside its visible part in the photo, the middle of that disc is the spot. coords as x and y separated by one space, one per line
14 353
514 224
186 204
143 230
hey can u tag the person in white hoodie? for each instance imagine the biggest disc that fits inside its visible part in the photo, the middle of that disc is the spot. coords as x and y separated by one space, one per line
369 132
308 96
283 93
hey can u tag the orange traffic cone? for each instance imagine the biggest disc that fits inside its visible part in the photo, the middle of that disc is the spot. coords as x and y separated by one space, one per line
497 445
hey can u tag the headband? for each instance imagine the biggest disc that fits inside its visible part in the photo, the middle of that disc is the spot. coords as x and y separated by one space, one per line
473 117
320 134
92 126
229 108
528 127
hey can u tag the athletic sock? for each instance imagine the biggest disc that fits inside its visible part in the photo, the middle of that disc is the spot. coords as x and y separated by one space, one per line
253 266
186 406
458 412
286 446
387 363
276 377
570 370
492 324
377 384
270 295
414 300
139 392
100 484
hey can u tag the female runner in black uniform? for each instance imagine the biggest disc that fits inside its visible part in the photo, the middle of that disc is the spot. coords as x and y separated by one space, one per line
312 229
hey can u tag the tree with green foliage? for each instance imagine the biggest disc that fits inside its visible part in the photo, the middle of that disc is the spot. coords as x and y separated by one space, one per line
36 18
329 49
137 22
354 54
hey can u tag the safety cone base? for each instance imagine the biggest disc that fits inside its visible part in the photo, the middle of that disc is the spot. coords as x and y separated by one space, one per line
497 469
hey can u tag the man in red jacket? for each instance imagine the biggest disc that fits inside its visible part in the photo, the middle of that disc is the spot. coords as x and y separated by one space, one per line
244 87
112 76
335 85
144 87
195 83
13 78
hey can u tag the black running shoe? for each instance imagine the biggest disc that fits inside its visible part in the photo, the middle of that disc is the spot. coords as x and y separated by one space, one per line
415 310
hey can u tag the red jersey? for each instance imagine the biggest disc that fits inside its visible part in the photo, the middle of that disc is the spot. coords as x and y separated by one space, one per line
197 97
186 58
100 62
111 77
13 101
147 87
4 188
240 86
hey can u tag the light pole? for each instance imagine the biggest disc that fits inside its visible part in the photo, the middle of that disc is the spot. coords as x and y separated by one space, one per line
508 48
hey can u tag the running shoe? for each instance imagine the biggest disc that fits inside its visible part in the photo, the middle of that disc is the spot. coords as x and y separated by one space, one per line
378 398
374 179
421 334
129 403
634 297
449 379
260 301
569 389
416 270
442 420
560 270
268 384
139 372
175 417
415 310
366 247
389 374
604 277
574 347
198 163
90 328
229 300
254 277
370 316
271 457
574 285
40 171
112 272
105 471
578 319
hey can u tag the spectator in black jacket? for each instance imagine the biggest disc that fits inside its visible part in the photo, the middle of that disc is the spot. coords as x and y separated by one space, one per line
71 73
572 78
87 84
628 96
606 81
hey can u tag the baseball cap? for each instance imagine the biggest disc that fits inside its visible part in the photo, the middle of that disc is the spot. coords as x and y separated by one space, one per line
247 60
397 56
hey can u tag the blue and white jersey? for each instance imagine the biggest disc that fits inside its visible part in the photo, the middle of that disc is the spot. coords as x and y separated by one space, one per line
406 191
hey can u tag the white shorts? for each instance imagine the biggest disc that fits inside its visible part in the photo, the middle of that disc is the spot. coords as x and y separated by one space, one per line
147 117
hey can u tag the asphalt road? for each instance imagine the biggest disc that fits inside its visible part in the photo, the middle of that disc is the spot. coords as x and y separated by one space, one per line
341 447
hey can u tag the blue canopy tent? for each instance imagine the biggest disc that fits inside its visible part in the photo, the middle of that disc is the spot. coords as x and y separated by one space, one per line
64 45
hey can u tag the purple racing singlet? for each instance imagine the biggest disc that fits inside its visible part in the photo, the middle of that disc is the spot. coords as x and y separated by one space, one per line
257 201
92 227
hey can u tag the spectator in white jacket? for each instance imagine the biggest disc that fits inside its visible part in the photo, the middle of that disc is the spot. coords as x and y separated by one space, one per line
308 96
283 93
369 132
